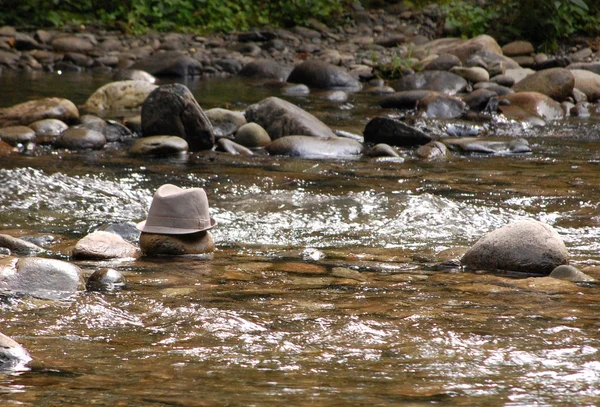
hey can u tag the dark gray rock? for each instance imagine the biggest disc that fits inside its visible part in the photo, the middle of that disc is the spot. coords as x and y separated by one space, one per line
444 62
81 138
408 99
438 81
39 277
173 110
281 118
105 279
322 75
313 147
394 132
169 63
526 246
482 100
264 69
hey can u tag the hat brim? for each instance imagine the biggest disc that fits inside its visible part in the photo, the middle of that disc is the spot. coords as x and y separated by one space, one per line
171 231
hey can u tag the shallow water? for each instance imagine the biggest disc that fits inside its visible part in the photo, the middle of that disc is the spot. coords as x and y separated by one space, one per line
324 289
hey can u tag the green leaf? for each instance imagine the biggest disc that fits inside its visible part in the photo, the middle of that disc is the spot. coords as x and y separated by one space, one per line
580 4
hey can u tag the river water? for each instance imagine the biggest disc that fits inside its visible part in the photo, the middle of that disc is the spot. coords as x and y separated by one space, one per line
324 289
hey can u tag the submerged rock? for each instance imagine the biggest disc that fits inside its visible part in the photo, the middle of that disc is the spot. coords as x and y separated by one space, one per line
438 81
159 145
173 110
526 246
105 279
486 146
281 118
313 147
433 150
408 99
232 147
39 277
176 245
570 273
442 107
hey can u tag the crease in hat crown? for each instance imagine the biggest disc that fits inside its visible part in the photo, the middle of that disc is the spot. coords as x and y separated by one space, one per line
177 211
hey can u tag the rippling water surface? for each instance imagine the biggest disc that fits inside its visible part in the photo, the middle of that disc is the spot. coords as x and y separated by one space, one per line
324 289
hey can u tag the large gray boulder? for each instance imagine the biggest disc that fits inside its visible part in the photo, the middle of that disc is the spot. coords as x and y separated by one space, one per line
318 74
525 246
312 147
556 83
39 277
438 81
172 110
281 118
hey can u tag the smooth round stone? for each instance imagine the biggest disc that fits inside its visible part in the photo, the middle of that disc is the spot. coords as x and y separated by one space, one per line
225 122
517 48
80 138
433 150
295 90
119 95
336 96
105 279
382 150
472 74
570 273
48 130
252 135
17 135
134 75
103 245
159 145
153 244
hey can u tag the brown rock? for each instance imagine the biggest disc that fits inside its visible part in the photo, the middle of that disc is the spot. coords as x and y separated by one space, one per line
176 245
104 245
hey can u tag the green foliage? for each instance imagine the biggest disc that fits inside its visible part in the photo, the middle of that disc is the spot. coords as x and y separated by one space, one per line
137 16
542 22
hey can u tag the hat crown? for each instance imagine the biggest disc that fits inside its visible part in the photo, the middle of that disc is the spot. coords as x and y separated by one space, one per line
177 211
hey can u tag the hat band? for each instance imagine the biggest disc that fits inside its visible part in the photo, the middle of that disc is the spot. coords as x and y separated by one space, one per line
178 223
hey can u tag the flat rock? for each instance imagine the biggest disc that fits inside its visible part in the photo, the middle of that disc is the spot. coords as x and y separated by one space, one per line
487 146
34 110
472 74
406 99
570 273
159 146
517 48
169 63
525 246
100 245
19 246
394 132
81 138
313 147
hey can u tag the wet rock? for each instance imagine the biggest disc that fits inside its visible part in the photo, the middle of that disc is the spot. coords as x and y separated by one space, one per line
176 245
39 277
134 75
556 83
72 43
252 135
115 131
519 74
118 95
336 96
127 230
479 100
472 74
463 129
14 135
523 104
173 110
18 246
105 279
314 147
232 147
100 245
588 82
295 90
503 80
570 273
322 75
582 110
486 146
517 48
13 356
6 149
381 150
48 130
225 122
444 62
281 118
34 110
394 132
438 81
159 146
169 63
442 107
80 138
526 246
408 99
433 150
264 69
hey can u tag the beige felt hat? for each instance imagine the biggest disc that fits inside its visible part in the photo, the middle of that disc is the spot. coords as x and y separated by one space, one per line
177 211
